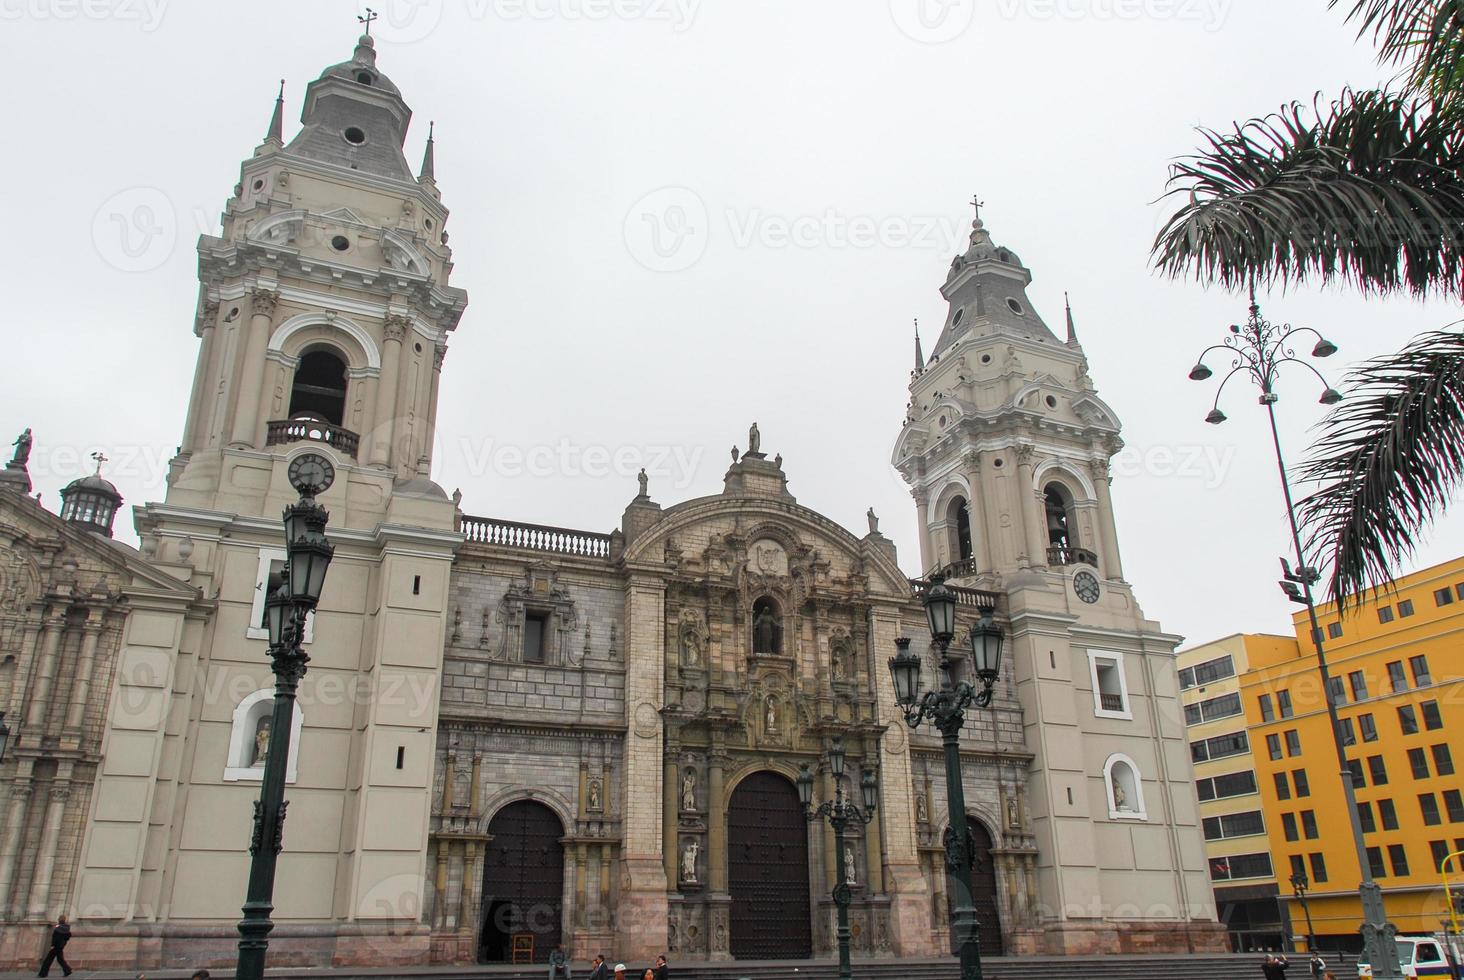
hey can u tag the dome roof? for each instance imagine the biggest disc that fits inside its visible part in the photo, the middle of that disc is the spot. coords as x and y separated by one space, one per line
95 483
361 69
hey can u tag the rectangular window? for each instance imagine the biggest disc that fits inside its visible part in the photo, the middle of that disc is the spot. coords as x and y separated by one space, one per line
1455 803
1378 770
1219 747
1248 824
1214 709
1309 824
1389 814
1375 862
1288 826
1432 720
1368 727
1385 614
1110 687
1268 713
1334 630
535 632
1186 678
1191 715
1396 677
1210 671
1443 759
1407 719
1349 732
1273 745
1298 864
1336 692
1357 680
1283 703
1240 866
1405 608
1354 766
1398 858
1303 788
1365 818
1318 868
1437 851
1419 667
1418 760
1293 742
1443 597
1283 790
1428 805
1227 785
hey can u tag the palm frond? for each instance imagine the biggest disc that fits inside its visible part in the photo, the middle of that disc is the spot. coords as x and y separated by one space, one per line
1386 464
1425 38
1368 191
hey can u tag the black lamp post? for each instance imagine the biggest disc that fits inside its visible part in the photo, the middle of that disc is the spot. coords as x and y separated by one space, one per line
285 610
1299 884
840 812
946 708
1259 349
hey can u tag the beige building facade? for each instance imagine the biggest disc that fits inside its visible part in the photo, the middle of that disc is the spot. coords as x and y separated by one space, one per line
512 735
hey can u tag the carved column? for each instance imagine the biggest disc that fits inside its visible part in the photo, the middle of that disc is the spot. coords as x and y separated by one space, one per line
873 842
14 827
984 511
465 907
581 895
201 378
81 688
474 885
393 331
262 302
439 353
50 835
669 807
362 383
716 807
1112 567
440 918
50 647
1033 516
922 524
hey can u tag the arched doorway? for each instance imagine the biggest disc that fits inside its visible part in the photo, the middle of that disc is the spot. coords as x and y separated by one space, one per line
767 870
319 390
983 892
523 881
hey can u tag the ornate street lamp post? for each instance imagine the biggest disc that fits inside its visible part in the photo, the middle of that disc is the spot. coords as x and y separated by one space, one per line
946 708
840 812
1259 349
309 554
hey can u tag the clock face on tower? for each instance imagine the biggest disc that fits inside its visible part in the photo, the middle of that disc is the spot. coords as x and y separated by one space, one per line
311 473
1086 586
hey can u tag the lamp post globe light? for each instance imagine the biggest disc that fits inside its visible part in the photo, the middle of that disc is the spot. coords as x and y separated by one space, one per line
945 708
840 812
1299 885
1259 349
309 554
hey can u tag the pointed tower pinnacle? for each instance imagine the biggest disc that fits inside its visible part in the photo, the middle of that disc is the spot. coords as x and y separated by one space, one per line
1072 331
919 355
428 163
275 137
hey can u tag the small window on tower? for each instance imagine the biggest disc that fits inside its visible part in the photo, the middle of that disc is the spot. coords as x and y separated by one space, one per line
354 136
364 77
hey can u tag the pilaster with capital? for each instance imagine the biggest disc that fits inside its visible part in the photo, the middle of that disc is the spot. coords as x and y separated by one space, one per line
250 376
207 319
1102 488
393 332
1032 515
45 869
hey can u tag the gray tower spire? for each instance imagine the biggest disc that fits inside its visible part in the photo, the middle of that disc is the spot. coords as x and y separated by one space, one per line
919 355
428 168
1072 331
276 132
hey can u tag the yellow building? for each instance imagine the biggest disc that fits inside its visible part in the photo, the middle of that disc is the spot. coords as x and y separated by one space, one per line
1231 807
1398 683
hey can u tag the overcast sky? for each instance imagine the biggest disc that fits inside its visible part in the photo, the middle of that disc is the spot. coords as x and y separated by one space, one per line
675 217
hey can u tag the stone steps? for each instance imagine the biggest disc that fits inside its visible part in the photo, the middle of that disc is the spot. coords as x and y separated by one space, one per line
1193 967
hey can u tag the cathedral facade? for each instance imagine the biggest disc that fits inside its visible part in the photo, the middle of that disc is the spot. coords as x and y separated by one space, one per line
512 735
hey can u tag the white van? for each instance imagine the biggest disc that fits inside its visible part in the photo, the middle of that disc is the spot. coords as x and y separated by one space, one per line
1420 956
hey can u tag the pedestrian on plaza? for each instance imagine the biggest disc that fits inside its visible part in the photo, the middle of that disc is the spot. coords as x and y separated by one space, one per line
1274 967
598 970
649 974
661 971
1318 965
200 975
60 936
559 964
619 971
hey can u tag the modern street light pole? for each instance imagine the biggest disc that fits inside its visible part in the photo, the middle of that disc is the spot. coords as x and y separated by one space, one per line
945 708
840 812
1299 884
1259 349
285 610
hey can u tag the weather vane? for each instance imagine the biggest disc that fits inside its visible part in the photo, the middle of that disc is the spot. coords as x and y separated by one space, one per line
369 16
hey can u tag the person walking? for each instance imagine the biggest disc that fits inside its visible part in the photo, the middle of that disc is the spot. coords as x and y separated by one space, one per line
661 972
619 971
1274 967
60 936
598 970
559 964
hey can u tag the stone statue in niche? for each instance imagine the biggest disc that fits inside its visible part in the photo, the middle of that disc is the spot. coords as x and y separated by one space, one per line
261 741
595 803
688 790
767 631
1014 814
851 872
772 717
922 809
691 649
460 788
688 861
1120 798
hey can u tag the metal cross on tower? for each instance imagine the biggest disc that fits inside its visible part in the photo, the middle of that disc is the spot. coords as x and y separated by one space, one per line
367 18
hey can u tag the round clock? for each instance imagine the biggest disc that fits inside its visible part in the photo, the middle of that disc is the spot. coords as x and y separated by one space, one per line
1086 586
311 473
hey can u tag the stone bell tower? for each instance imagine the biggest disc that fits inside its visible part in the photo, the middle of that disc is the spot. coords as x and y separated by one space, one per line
1006 446
323 313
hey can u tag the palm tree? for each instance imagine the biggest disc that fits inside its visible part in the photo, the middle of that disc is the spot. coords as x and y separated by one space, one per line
1367 191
